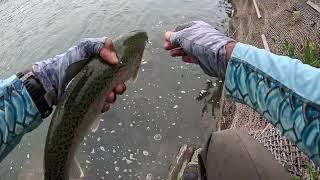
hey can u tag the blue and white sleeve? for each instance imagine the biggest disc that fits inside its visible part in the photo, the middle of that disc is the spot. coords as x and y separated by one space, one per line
284 90
18 114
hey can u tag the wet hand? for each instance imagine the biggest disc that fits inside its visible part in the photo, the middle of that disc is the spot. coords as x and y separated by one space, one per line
108 54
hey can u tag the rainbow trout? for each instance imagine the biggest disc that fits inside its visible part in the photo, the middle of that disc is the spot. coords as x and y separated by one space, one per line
83 101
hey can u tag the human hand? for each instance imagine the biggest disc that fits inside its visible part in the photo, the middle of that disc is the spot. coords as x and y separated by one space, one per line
199 42
55 73
108 54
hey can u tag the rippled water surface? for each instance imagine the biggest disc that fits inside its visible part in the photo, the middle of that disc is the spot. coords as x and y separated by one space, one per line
139 136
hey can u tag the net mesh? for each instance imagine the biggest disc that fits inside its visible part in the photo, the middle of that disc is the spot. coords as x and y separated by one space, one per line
282 20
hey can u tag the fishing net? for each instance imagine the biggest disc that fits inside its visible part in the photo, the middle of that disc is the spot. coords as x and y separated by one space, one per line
293 21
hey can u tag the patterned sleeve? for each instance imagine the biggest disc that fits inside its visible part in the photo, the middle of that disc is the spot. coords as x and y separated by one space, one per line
18 114
205 44
52 72
284 90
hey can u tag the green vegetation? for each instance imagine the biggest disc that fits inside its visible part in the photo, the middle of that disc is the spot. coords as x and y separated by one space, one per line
296 15
311 53
289 49
311 173
296 178
311 56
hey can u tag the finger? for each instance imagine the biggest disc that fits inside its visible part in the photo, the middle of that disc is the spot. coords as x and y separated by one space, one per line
177 52
110 97
120 89
187 59
108 53
168 45
167 35
105 108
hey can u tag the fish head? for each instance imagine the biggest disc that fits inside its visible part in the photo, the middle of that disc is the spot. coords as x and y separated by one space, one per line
129 48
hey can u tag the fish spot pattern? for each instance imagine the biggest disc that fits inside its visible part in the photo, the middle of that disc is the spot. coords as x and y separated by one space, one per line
83 99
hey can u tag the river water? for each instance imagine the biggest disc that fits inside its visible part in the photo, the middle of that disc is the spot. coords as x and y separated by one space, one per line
139 136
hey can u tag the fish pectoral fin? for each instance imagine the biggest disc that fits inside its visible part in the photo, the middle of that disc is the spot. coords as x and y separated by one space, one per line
76 171
95 125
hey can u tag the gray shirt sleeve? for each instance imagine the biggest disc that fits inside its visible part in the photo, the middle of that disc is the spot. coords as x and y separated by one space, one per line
52 72
205 44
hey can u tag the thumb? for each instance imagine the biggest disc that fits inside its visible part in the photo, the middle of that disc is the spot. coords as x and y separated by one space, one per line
108 54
